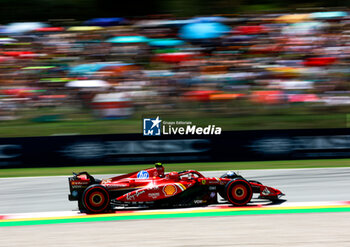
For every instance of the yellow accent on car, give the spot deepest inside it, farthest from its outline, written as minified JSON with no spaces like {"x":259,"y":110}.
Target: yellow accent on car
{"x":181,"y":186}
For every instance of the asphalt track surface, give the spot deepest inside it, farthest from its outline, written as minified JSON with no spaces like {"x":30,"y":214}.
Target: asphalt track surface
{"x":43,"y":194}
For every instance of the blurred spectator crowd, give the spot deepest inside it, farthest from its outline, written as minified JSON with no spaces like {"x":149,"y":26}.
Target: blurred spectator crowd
{"x":116,"y":66}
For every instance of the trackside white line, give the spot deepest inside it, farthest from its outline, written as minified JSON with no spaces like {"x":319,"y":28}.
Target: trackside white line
{"x":310,"y":204}
{"x":239,"y":170}
{"x":14,"y":178}
{"x":42,"y":214}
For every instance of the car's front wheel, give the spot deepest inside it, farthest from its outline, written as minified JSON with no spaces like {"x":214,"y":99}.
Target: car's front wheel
{"x":96,"y":199}
{"x":238,"y":192}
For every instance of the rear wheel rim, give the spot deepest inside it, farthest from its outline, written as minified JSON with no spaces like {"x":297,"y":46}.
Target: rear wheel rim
{"x":239,"y":192}
{"x":96,"y":199}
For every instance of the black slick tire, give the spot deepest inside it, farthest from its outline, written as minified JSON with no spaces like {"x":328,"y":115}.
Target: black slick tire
{"x":96,"y":199}
{"x":238,"y":192}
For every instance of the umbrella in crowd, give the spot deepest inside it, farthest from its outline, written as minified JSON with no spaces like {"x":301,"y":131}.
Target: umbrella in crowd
{"x":19,"y":54}
{"x":118,"y":70}
{"x":93,"y":67}
{"x":225,"y":96}
{"x":22,"y":27}
{"x":84,"y":28}
{"x":7,"y":40}
{"x":161,"y":23}
{"x":203,"y":30}
{"x":38,"y":67}
{"x":166,"y":42}
{"x":293,"y":18}
{"x":319,"y":61}
{"x":128,"y":39}
{"x":209,"y":19}
{"x":49,"y":29}
{"x":175,"y":57}
{"x":303,"y":28}
{"x":54,"y":80}
{"x":105,"y":22}
{"x":329,"y":14}
{"x":88,"y":84}
{"x":158,"y":73}
{"x":250,"y":30}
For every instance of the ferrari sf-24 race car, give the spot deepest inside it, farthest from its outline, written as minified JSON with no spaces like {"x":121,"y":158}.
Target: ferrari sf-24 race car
{"x":153,"y":188}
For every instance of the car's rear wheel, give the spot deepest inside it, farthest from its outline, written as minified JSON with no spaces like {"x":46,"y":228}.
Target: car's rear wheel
{"x":238,"y":192}
{"x":96,"y":199}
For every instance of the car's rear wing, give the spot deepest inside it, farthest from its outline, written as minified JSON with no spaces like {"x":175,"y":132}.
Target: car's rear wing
{"x":78,"y":183}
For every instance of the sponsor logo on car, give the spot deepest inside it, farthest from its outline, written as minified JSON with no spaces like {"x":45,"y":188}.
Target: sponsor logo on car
{"x":169,"y":190}
{"x":79,"y":182}
{"x":154,"y":195}
{"x":133,"y":195}
{"x":116,"y":186}
{"x":199,"y":201}
{"x":142,"y":175}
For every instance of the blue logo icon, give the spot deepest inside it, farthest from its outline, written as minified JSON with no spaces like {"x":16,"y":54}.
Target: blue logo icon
{"x":151,"y":126}
{"x":142,"y":175}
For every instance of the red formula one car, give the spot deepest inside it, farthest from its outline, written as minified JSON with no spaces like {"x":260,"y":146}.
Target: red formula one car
{"x":153,"y":188}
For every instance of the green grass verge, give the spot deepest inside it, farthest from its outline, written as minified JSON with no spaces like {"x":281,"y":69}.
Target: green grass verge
{"x":205,"y":166}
